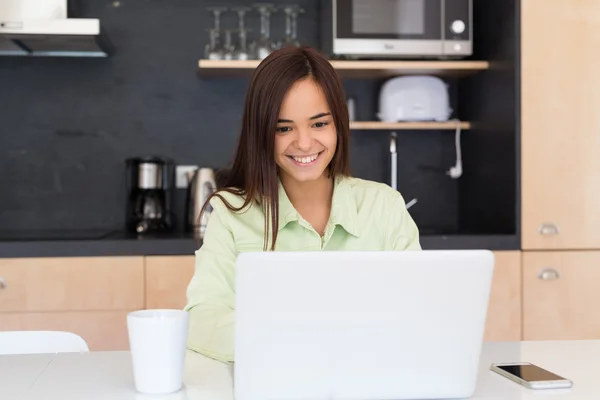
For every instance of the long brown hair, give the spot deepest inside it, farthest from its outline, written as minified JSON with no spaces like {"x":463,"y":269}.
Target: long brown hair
{"x":254,"y":171}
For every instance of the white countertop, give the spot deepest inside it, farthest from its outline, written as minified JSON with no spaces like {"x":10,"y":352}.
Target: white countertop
{"x":107,"y":375}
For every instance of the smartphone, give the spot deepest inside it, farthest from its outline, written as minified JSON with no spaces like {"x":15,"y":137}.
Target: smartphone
{"x":531,"y":376}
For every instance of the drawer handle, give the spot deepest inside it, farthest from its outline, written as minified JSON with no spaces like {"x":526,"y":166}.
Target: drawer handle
{"x":2,"y":283}
{"x":548,"y":274}
{"x":548,"y":229}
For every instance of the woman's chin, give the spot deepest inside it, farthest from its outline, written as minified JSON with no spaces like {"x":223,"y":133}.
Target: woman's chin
{"x":303,"y":174}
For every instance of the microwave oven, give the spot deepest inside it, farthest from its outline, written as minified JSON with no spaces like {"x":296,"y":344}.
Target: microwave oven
{"x":398,"y":29}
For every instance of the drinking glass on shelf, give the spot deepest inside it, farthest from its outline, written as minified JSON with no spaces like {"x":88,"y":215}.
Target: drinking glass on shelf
{"x":213,"y":50}
{"x":264,"y":45}
{"x":215,"y":47}
{"x":291,"y":25}
{"x":241,"y":12}
{"x":242,"y":50}
{"x":217,"y":12}
{"x":228,"y":48}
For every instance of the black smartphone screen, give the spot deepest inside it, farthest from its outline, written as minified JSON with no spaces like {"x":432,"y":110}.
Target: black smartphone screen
{"x":530,"y":372}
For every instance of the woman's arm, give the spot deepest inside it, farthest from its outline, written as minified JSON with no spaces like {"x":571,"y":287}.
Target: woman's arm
{"x":402,"y":232}
{"x":211,"y":291}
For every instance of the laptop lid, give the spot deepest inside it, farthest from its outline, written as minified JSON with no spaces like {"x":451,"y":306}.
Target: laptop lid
{"x":360,"y":325}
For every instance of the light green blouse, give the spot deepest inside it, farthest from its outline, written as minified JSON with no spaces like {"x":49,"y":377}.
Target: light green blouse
{"x":365,"y":215}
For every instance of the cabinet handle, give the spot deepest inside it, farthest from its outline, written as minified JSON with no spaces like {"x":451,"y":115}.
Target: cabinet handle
{"x":548,"y":229}
{"x":2,"y":283}
{"x":548,"y":274}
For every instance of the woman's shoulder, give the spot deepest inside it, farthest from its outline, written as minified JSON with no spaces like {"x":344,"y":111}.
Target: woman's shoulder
{"x":233,"y":209}
{"x":223,"y":196}
{"x":371,"y":192}
{"x":226,"y":203}
{"x":381,"y":213}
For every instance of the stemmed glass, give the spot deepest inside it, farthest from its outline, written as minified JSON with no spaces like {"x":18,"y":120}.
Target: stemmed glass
{"x":228,"y":48}
{"x":264,"y":45}
{"x":214,"y":50}
{"x":242,"y":52}
{"x":291,"y":25}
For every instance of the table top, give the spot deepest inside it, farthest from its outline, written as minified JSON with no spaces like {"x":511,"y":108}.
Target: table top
{"x":108,"y":375}
{"x":18,"y":373}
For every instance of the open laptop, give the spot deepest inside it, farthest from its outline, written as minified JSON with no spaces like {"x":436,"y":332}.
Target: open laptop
{"x":360,"y":325}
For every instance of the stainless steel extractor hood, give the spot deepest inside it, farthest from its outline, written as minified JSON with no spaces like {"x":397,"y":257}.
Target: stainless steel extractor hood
{"x":47,"y":28}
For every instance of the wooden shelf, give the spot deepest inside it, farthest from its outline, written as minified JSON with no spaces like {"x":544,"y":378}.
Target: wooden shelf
{"x":376,"y":125}
{"x":357,"y":69}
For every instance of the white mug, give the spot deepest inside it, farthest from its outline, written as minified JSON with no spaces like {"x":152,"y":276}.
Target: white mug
{"x":157,"y":340}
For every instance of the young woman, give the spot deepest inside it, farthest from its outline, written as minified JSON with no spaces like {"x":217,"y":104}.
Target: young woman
{"x":289,"y":189}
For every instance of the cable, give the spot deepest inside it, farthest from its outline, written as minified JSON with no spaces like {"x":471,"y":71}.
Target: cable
{"x":394,"y":161}
{"x":456,"y":171}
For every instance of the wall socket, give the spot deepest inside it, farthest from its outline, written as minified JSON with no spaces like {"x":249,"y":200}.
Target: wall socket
{"x":181,"y":179}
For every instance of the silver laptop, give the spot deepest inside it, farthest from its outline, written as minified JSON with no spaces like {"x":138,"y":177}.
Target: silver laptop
{"x":360,"y":325}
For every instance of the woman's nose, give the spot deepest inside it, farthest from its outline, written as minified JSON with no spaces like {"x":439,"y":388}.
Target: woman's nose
{"x":304,"y":140}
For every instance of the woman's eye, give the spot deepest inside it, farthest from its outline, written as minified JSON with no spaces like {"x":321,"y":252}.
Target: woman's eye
{"x":321,"y":124}
{"x":283,"y":129}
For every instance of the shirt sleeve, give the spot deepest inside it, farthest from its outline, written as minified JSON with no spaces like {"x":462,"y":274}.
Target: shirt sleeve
{"x":210,"y":293}
{"x":402,"y":231}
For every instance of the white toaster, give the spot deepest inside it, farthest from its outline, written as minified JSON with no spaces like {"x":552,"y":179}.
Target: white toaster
{"x":414,"y":98}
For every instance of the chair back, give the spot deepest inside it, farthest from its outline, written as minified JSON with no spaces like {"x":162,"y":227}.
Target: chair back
{"x":41,"y":342}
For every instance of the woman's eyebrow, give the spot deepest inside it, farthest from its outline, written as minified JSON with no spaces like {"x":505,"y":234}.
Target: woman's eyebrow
{"x":323,"y":114}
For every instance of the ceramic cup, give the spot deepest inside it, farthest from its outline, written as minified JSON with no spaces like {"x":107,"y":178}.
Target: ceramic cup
{"x":157,"y":340}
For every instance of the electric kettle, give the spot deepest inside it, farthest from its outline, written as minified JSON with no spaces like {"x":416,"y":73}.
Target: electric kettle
{"x":201,"y":186}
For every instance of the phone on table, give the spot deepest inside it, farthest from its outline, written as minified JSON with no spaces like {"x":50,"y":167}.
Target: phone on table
{"x":531,"y":376}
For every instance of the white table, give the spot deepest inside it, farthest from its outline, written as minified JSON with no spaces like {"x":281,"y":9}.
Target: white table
{"x":19,"y":373}
{"x":107,"y":375}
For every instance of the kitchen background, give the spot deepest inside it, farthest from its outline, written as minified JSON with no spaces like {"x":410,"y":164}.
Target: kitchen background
{"x":69,"y":124}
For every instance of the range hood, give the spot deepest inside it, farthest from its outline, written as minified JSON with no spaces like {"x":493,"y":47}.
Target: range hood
{"x":48,"y":28}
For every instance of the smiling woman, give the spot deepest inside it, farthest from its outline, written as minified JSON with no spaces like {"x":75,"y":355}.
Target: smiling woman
{"x":294,"y":94}
{"x":289,"y":189}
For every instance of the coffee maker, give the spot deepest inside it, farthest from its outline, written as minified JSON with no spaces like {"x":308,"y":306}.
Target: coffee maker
{"x":149,"y":195}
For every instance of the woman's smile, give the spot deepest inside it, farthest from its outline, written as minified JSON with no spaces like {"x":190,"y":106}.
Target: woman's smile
{"x":307,"y":160}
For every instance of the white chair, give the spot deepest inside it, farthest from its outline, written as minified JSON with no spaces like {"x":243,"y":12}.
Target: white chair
{"x":41,"y":342}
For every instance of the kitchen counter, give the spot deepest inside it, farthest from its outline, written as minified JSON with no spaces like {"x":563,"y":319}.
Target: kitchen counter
{"x":94,"y":243}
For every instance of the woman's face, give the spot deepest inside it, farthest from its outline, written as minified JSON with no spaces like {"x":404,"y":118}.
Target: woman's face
{"x":306,"y":138}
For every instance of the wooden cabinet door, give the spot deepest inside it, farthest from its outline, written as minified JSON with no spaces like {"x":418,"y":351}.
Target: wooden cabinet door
{"x":89,"y":296}
{"x":560,"y":295}
{"x":167,"y":279}
{"x":504,"y":311}
{"x":71,"y":284}
{"x":560,"y":124}
{"x":101,"y":330}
